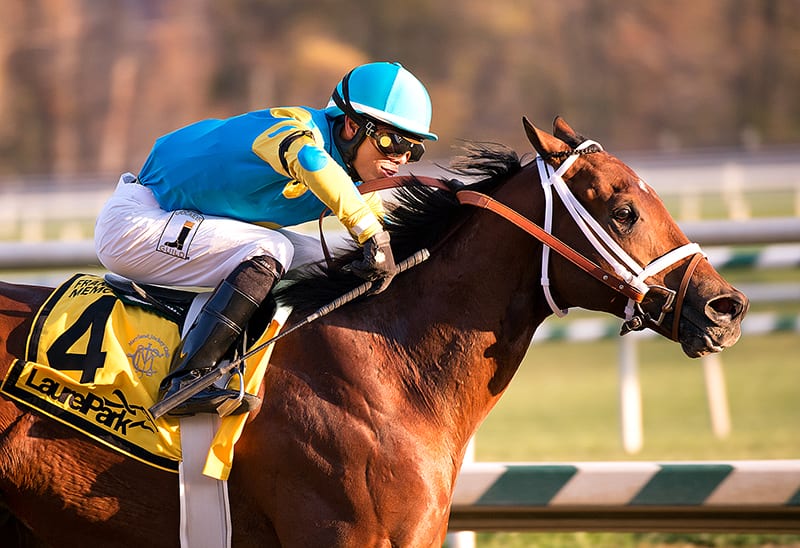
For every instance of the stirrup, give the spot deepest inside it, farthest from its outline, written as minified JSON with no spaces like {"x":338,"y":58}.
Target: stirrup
{"x":231,"y":405}
{"x":214,"y":399}
{"x":206,"y":402}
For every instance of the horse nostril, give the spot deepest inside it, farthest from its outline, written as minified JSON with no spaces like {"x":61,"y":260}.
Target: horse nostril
{"x":731,"y":306}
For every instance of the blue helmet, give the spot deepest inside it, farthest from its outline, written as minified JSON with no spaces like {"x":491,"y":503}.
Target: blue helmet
{"x":386,"y":92}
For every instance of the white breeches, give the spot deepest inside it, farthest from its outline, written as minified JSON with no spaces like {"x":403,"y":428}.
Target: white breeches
{"x":137,"y":239}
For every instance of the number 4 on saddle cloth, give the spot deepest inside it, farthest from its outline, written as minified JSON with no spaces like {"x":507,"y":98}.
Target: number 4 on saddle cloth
{"x":96,"y":354}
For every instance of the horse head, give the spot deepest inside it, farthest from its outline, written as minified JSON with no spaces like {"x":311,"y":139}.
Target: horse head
{"x":631,"y":236}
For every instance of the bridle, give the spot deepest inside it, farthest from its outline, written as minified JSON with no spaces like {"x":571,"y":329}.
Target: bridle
{"x":623,"y":265}
{"x":626,"y":276}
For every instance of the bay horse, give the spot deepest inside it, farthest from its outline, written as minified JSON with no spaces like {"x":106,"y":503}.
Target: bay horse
{"x":367,"y":412}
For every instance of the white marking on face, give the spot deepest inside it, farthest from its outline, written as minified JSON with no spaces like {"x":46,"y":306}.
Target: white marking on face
{"x":644,"y":186}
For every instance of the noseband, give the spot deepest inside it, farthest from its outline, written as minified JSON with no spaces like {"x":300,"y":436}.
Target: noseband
{"x":672,"y":300}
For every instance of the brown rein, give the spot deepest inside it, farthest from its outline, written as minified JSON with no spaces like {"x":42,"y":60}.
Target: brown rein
{"x":616,"y":283}
{"x":478,"y":199}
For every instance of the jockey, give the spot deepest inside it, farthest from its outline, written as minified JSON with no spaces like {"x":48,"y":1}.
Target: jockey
{"x":209,"y":205}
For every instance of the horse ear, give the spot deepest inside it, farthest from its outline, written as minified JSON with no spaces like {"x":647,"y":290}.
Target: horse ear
{"x":544,"y":143}
{"x":563,"y":131}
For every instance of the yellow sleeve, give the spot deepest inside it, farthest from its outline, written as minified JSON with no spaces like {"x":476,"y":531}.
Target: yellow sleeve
{"x":375,"y":203}
{"x":290,"y":147}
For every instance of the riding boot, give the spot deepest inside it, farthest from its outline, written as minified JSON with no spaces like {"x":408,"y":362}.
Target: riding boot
{"x":218,"y":325}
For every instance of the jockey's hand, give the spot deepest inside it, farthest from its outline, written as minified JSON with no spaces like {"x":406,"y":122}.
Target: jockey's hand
{"x":378,"y":262}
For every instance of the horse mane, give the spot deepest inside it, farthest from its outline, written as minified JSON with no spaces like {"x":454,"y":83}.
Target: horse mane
{"x":422,"y":217}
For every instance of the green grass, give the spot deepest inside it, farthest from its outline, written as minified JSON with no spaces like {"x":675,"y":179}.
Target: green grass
{"x":773,"y":275}
{"x":563,"y":406}
{"x":563,"y":403}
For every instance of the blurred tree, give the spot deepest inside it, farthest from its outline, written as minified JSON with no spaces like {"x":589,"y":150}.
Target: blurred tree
{"x":88,"y":85}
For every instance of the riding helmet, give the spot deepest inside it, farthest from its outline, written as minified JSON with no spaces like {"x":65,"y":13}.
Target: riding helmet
{"x":385,"y":92}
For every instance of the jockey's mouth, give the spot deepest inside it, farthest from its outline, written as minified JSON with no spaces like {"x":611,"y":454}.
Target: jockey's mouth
{"x":389,"y":168}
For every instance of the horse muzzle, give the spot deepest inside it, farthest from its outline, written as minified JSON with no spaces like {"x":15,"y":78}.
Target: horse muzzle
{"x":717,"y":328}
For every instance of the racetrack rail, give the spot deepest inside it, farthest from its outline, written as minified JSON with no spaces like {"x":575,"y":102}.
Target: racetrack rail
{"x":705,"y":496}
{"x":657,"y":518}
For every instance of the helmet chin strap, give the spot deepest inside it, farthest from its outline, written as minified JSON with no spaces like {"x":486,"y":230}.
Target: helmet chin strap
{"x":348,"y":147}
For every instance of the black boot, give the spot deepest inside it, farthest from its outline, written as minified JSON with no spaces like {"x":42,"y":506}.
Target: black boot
{"x":219,"y":323}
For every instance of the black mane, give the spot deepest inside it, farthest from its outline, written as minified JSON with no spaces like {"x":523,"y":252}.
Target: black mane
{"x":422,"y":217}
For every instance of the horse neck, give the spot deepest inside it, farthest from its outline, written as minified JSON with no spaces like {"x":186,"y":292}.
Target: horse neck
{"x":468,"y":316}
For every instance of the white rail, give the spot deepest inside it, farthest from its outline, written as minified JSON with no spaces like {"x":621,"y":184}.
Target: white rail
{"x":707,"y":496}
{"x":16,"y":255}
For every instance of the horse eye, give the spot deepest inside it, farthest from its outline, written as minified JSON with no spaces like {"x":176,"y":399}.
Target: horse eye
{"x":624,"y":215}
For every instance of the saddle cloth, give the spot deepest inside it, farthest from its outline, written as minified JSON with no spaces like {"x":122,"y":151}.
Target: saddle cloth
{"x":94,"y":362}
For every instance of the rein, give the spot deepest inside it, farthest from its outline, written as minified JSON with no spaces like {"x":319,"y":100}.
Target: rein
{"x":484,"y":201}
{"x":627,"y":277}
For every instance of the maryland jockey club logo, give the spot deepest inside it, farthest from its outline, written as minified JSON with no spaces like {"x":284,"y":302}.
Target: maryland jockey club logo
{"x":147,"y":350}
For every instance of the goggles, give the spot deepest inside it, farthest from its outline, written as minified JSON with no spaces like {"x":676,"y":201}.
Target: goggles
{"x":392,"y":144}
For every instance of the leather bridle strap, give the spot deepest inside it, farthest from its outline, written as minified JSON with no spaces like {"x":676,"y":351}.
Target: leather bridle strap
{"x":478,"y":199}
{"x":374,"y":186}
{"x":397,"y":182}
{"x":632,"y":290}
{"x":687,"y":276}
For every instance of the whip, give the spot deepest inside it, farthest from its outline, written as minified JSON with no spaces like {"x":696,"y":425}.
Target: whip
{"x":202,"y":382}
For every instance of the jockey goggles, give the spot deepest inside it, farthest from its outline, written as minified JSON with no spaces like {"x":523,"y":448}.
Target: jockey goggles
{"x":394,"y":145}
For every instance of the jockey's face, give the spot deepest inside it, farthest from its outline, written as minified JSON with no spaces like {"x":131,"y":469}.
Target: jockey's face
{"x":369,"y":162}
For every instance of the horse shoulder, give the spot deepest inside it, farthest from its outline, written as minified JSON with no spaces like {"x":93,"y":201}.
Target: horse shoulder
{"x":330,"y":409}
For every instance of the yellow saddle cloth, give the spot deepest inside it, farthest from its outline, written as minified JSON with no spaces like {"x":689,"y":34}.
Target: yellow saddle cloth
{"x":94,"y":363}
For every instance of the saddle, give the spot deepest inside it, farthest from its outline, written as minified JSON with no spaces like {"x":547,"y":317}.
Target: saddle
{"x":170,"y":302}
{"x":175,"y":303}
